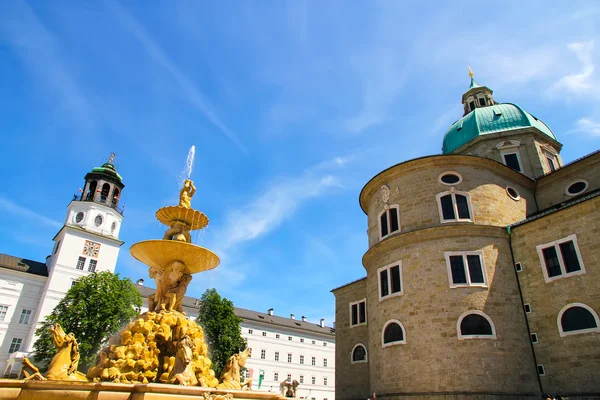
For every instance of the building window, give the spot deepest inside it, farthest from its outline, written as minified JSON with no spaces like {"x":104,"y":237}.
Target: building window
{"x":3,"y":311}
{"x":325,"y":381}
{"x":390,"y":280}
{"x":576,"y":318}
{"x":15,"y":345}
{"x":250,"y":331}
{"x":389,"y":221}
{"x":454,"y":207}
{"x":314,"y":342}
{"x":512,"y":193}
{"x":359,"y":354}
{"x":392,"y":333}
{"x":475,"y":324}
{"x":358,"y":313}
{"x":301,"y":378}
{"x":482,"y":101}
{"x":534,"y":338}
{"x":80,"y":263}
{"x":518,"y":267}
{"x":576,"y":187}
{"x":560,"y":258}
{"x":92,"y":265}
{"x":325,"y":362}
{"x":551,"y":163}
{"x":289,"y":338}
{"x":314,"y":361}
{"x":301,"y":340}
{"x":527,"y":308}
{"x":276,"y":356}
{"x":465,"y":268}
{"x":263,"y":354}
{"x":264,"y":333}
{"x":276,"y":377}
{"x":301,"y":359}
{"x":324,"y":344}
{"x":449,"y":178}
{"x":277,"y":336}
{"x":541,"y":370}
{"x":25,"y":315}
{"x":471,"y":105}
{"x":511,"y":160}
{"x":289,"y":357}
{"x":314,"y":380}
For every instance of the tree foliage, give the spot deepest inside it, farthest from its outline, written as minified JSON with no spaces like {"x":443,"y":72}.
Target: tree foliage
{"x":221,"y":328}
{"x":93,"y":309}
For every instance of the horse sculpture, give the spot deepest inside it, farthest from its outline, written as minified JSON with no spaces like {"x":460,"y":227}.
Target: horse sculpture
{"x":183,"y":370}
{"x":230,"y":378}
{"x":63,"y":365}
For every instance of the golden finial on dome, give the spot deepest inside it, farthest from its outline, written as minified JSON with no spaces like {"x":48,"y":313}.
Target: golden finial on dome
{"x":111,"y":158}
{"x":470,"y":72}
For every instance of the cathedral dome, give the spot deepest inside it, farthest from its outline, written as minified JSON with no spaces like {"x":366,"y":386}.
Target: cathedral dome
{"x":488,"y":120}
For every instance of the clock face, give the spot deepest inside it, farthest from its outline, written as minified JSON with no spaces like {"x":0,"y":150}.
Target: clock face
{"x":91,"y":249}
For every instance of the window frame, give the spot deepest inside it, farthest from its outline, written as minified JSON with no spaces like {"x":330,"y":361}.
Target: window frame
{"x":515,"y":152}
{"x":556,"y":245}
{"x":453,"y":194}
{"x":386,"y":210}
{"x":562,"y":333}
{"x":3,"y":317}
{"x":366,"y":360}
{"x":12,"y":343}
{"x":25,"y":318}
{"x":398,"y":342}
{"x":357,"y":303}
{"x":289,"y":358}
{"x":587,"y":185}
{"x":82,"y":265}
{"x":389,"y":277}
{"x":263,"y":354}
{"x":464,"y":254}
{"x":460,"y":178}
{"x":276,"y":356}
{"x":493,"y":336}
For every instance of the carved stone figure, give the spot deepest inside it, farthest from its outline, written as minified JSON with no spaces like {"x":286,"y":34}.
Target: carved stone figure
{"x":63,"y":365}
{"x":230,"y":378}
{"x":171,"y":285}
{"x":183,"y":370}
{"x":178,"y":231}
{"x":288,"y":389}
{"x":186,"y":194}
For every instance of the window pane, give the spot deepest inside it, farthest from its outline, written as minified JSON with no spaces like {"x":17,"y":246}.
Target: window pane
{"x":481,"y":101}
{"x":354,"y":314}
{"x":551,"y":259}
{"x":396,"y":287}
{"x":512,"y":161}
{"x":475,"y":269}
{"x":462,"y":206}
{"x":393,"y":219}
{"x":384,"y":224}
{"x":359,"y":354}
{"x":393,"y":333}
{"x":551,"y":164}
{"x":474,"y":324}
{"x":362,"y":312}
{"x":383,"y":278}
{"x":569,"y":256}
{"x":447,"y":207}
{"x":458,"y":269}
{"x":576,"y":318}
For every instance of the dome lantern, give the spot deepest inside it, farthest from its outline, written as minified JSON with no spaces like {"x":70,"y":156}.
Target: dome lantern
{"x":476,"y":96}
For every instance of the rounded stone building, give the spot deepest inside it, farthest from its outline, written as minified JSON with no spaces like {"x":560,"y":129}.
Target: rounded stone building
{"x":441,"y":310}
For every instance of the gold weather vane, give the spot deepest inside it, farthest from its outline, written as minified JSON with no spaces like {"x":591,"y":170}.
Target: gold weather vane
{"x":111,"y":158}
{"x":470,"y":72}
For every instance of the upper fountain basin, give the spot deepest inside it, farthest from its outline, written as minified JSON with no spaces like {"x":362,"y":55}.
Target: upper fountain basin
{"x":160,"y":253}
{"x":193,"y":219}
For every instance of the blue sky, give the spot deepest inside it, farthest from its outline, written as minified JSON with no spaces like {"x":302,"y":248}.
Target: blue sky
{"x":292,"y":106}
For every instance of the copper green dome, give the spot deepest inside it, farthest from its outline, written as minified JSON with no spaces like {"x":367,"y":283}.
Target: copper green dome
{"x":108,"y":169}
{"x":488,"y":120}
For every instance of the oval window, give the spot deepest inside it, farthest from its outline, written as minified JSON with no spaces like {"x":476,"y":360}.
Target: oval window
{"x":98,"y":220}
{"x":577,"y":187}
{"x":113,"y":227}
{"x":79,"y":217}
{"x":450,"y":178}
{"x":512,"y":193}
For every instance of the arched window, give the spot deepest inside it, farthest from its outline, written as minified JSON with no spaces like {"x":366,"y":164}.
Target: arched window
{"x":475,"y":324}
{"x":92,"y":190}
{"x":359,"y":354}
{"x":454,"y":206}
{"x":393,"y":333}
{"x":577,"y":318}
{"x":104,"y":193}
{"x":115,"y":196}
{"x":389,"y":221}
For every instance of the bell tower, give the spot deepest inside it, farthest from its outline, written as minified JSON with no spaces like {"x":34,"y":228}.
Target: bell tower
{"x":89,"y":239}
{"x":476,"y":96}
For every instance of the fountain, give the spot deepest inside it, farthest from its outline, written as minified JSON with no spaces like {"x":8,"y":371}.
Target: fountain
{"x":162,"y":353}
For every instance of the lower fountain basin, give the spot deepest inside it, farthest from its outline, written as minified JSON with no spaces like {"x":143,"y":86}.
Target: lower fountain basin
{"x":160,"y":253}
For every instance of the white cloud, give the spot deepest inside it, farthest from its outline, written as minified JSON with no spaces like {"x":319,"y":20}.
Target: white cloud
{"x":588,"y":126}
{"x":581,"y":82}
{"x":9,"y":206}
{"x":154,"y":50}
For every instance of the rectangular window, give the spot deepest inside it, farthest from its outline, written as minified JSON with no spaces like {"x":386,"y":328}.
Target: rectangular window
{"x":264,"y":333}
{"x":560,"y":258}
{"x":25,"y":315}
{"x":73,"y":281}
{"x":276,"y":356}
{"x":314,"y":361}
{"x":551,"y":164}
{"x":389,"y":221}
{"x":277,"y":336}
{"x":511,"y":160}
{"x":465,"y":268}
{"x":314,"y":380}
{"x":527,"y":308}
{"x":3,"y":311}
{"x":276,"y":377}
{"x":390,"y":280}
{"x":250,"y":331}
{"x":289,"y":357}
{"x":301,"y":359}
{"x":301,"y":378}
{"x":15,"y":345}
{"x":325,"y":362}
{"x":481,"y":101}
{"x":92,"y":265}
{"x":325,"y":381}
{"x":519,"y":267}
{"x":301,"y":340}
{"x":313,"y":342}
{"x":358,"y":312}
{"x":325,"y":344}
{"x":289,"y":338}
{"x":80,"y":263}
{"x":534,"y":338}
{"x":541,"y":370}
{"x":263,"y":354}
{"x":454,"y":207}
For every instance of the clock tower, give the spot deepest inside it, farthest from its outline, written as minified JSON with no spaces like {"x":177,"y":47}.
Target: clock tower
{"x":88,"y":241}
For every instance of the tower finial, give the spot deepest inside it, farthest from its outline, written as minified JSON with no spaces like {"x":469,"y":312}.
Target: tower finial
{"x":471,"y":73}
{"x":111,"y":158}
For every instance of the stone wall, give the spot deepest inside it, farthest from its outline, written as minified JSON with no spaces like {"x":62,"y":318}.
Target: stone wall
{"x":351,"y":380}
{"x":433,"y":358}
{"x":572,"y":363}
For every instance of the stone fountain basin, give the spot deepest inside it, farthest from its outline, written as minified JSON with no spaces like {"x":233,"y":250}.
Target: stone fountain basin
{"x":13,"y":389}
{"x":191,"y":218}
{"x":160,"y":253}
